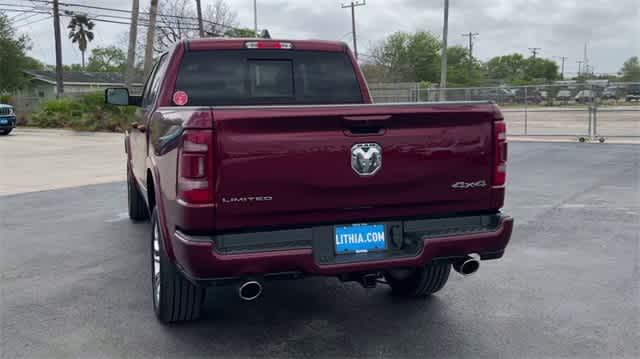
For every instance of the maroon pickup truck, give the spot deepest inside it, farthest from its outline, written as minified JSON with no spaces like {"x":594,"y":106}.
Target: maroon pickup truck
{"x":266,"y":159}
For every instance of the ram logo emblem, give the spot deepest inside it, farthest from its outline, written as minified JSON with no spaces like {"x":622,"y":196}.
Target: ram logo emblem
{"x":366,"y":158}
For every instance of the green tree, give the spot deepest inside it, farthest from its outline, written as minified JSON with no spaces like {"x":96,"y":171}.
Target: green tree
{"x":13,"y":59}
{"x":80,"y":32}
{"x":461,"y":69}
{"x":408,"y":57}
{"x":240,"y":33}
{"x":33,"y":64}
{"x":107,"y":59}
{"x":539,"y":68}
{"x":405,"y":57}
{"x":508,"y":68}
{"x":516,"y":69}
{"x":631,"y":69}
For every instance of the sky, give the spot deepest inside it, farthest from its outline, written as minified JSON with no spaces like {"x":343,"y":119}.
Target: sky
{"x":560,"y":28}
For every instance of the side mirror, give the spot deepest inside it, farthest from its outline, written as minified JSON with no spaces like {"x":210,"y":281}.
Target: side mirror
{"x":117,"y":96}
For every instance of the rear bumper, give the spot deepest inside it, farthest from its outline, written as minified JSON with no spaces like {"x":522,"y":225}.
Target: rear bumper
{"x":309,"y":251}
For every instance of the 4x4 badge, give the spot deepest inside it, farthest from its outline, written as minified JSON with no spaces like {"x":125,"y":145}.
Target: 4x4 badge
{"x":469,"y":185}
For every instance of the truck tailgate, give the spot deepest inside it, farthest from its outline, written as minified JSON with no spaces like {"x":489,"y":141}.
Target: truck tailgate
{"x":292,"y":165}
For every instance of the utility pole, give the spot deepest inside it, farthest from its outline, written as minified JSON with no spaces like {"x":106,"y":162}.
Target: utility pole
{"x":443,"y":56}
{"x":579,"y":67}
{"x":56,"y":31}
{"x":200,"y":26}
{"x":151,"y":35}
{"x":563,"y":58}
{"x":471,"y":36}
{"x":255,"y":16}
{"x":353,"y":22}
{"x":133,"y":38}
{"x":534,"y":51}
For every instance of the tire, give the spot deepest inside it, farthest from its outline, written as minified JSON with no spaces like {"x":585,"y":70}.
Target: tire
{"x":137,"y":207}
{"x":419,"y":282}
{"x":5,"y":132}
{"x":175,"y":299}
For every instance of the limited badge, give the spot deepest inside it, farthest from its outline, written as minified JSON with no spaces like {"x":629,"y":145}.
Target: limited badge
{"x":180,"y":98}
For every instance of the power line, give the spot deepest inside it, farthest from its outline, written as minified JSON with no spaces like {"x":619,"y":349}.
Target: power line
{"x":26,"y":11}
{"x":34,"y":21}
{"x":353,"y":6}
{"x":15,"y":17}
{"x":68,"y":13}
{"x":66,"y":4}
{"x":27,"y":17}
{"x":14,"y":5}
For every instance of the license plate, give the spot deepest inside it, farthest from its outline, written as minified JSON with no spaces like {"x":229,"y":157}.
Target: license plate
{"x":360,"y":238}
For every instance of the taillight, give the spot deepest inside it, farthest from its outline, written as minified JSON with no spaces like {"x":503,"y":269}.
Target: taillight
{"x":500,"y":153}
{"x":195,"y":167}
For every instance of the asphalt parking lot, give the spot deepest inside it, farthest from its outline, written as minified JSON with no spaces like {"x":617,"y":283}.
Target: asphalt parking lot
{"x":75,"y":276}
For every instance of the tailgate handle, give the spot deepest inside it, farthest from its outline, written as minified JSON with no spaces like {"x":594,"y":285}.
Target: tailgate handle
{"x":371,"y":120}
{"x":363,"y":125}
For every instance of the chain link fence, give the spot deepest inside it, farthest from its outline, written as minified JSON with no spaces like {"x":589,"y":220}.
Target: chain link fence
{"x":598,"y":109}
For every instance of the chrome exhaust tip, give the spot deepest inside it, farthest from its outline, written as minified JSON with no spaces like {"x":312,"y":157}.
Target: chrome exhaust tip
{"x":467,"y":267}
{"x":250,"y":290}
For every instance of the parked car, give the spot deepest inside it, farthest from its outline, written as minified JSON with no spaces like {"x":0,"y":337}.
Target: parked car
{"x":7,"y":119}
{"x":544,"y":94}
{"x":505,"y":95}
{"x":266,"y":159}
{"x":563,"y":96}
{"x":633,"y":93}
{"x":530,"y":96}
{"x":585,"y":96}
{"x":611,"y":93}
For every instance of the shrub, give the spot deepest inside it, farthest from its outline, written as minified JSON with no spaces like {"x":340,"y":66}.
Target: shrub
{"x":87,"y":113}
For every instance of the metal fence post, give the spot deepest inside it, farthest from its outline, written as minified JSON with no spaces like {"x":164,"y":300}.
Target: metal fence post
{"x":589,"y":122}
{"x":595,"y":120}
{"x":526,"y":108}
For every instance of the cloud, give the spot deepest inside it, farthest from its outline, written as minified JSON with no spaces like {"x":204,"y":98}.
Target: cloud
{"x":559,"y":27}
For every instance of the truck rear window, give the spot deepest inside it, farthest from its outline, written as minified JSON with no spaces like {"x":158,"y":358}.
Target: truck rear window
{"x":263,"y":77}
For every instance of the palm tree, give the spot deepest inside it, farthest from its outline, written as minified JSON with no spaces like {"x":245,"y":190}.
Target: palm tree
{"x":80,"y":28}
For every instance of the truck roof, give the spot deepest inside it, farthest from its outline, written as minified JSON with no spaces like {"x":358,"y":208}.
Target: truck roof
{"x":239,"y":43}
